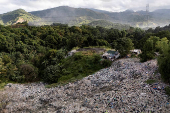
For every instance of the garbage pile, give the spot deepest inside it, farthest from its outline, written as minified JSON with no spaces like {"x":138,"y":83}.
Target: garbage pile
{"x":119,"y":88}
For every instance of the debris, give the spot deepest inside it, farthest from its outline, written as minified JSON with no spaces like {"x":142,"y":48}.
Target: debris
{"x":119,"y":88}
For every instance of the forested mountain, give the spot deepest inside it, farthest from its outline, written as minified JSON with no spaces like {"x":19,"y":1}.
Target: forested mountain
{"x":69,"y":15}
{"x":108,"y":24}
{"x":80,"y":16}
{"x":16,"y":16}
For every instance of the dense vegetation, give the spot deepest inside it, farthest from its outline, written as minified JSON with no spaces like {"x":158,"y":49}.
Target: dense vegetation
{"x":16,"y":16}
{"x":109,"y":25}
{"x":29,"y":53}
{"x":80,"y":16}
{"x":159,"y":42}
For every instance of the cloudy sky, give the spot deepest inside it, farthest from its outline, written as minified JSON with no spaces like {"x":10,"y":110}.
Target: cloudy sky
{"x":109,"y":5}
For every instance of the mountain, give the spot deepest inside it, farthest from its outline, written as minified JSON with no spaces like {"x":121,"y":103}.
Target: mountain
{"x":79,"y":16}
{"x":107,"y":24}
{"x":100,"y":11}
{"x":16,"y":16}
{"x":161,"y":15}
{"x":69,"y":15}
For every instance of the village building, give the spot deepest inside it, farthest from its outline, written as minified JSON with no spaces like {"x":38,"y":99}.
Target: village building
{"x":136,"y":51}
{"x":111,"y":54}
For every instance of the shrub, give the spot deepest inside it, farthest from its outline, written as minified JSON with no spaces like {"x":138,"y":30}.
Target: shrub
{"x":164,"y":67}
{"x":167,"y":90}
{"x":29,"y":72}
{"x":150,"y":81}
{"x":12,"y":72}
{"x":96,"y":58}
{"x":146,"y":56}
{"x":6,"y":59}
{"x":52,"y":73}
{"x":106,"y":63}
{"x":77,"y":56}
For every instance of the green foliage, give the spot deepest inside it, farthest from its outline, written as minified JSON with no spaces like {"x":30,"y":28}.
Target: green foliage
{"x":17,"y":15}
{"x":32,"y":50}
{"x":79,"y":65}
{"x":150,"y":81}
{"x":107,"y":24}
{"x":149,"y":48}
{"x":164,"y":67}
{"x":28,"y":72}
{"x":106,"y":63}
{"x":52,"y":73}
{"x":6,"y":59}
{"x":167,"y":89}
{"x":2,"y":84}
{"x":163,"y":60}
{"x":123,"y":45}
{"x":162,"y":45}
{"x":146,"y":56}
{"x":82,"y":64}
{"x":153,"y":44}
{"x":24,"y":73}
{"x":31,"y":53}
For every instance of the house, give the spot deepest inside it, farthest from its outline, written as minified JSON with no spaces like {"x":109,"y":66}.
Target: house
{"x":111,"y":54}
{"x":136,"y":51}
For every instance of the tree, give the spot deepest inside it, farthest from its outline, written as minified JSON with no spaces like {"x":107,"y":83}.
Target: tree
{"x":123,"y":45}
{"x":147,"y":51}
{"x":162,"y":45}
{"x":149,"y":48}
{"x":52,"y":73}
{"x":164,"y":63}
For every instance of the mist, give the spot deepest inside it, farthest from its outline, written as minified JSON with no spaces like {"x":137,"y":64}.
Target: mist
{"x":79,"y":16}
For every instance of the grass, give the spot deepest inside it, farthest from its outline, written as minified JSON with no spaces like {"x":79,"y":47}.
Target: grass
{"x":80,"y":65}
{"x":4,"y":82}
{"x":2,"y":85}
{"x":150,"y":81}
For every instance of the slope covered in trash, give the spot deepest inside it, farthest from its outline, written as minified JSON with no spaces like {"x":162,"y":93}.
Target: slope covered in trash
{"x":119,"y":88}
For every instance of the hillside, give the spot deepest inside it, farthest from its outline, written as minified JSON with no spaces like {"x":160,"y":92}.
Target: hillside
{"x":78,"y":21}
{"x":107,"y":24}
{"x":116,"y":89}
{"x":69,"y":15}
{"x":16,"y":16}
{"x":39,"y":54}
{"x":80,"y":16}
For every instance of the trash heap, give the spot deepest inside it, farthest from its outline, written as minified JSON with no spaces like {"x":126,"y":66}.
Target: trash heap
{"x":119,"y":88}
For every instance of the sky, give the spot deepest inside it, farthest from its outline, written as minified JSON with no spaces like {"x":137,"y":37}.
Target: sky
{"x":108,"y":5}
